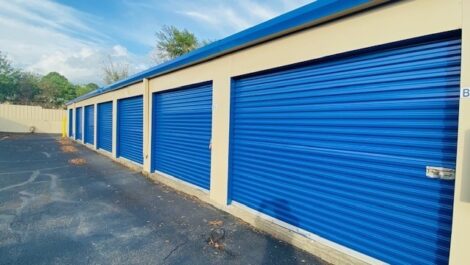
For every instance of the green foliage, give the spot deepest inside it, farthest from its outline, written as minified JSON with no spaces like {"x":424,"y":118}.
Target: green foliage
{"x":81,"y":90}
{"x":52,"y":90}
{"x":56,"y":89}
{"x":8,"y":78}
{"x":27,"y":89}
{"x":173,"y":42}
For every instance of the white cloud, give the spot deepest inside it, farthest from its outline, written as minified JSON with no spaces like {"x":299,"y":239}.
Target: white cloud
{"x":237,"y":16}
{"x":292,"y":4}
{"x":218,"y":16}
{"x":237,"y":21}
{"x":199,"y":16}
{"x":44,"y":36}
{"x":84,"y":65}
{"x":76,"y":65}
{"x":48,"y":14}
{"x":259,"y":12}
{"x":120,"y":51}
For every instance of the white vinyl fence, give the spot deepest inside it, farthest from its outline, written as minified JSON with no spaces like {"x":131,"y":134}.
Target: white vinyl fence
{"x":19,"y":118}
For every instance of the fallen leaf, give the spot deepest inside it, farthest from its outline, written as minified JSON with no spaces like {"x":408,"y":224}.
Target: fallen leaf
{"x":68,"y":149}
{"x":77,"y":161}
{"x":216,"y":223}
{"x":65,"y":141}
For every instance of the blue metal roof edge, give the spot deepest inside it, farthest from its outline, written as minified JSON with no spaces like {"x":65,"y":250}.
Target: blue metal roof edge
{"x":318,"y":10}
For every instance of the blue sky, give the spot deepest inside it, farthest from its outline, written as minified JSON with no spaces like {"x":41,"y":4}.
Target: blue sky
{"x":74,"y":37}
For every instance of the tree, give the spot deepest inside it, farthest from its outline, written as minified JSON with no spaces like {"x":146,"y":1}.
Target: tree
{"x":173,"y":42}
{"x":56,"y":89}
{"x":114,"y":71}
{"x":27,"y":88}
{"x":81,"y":90}
{"x":8,"y":78}
{"x":51,"y":90}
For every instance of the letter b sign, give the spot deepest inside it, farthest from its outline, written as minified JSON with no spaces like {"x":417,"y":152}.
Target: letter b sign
{"x":465,"y":93}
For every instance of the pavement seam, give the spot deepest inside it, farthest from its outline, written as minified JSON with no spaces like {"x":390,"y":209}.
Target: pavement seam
{"x":175,"y":249}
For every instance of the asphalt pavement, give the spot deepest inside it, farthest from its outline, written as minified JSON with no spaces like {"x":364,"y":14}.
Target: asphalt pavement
{"x":61,"y":203}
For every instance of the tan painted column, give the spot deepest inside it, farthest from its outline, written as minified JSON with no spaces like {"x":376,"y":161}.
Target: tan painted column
{"x":147,"y":121}
{"x":114,"y":133}
{"x":68,"y":122}
{"x":74,"y":114}
{"x":95,"y":120}
{"x":70,"y":107}
{"x":83,"y":123}
{"x":460,"y":244}
{"x":220,"y":139}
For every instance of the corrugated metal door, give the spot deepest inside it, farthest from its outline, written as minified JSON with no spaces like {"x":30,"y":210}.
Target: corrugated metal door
{"x":182,"y":122}
{"x":105,"y":126}
{"x":70,"y":122}
{"x":90,"y":124}
{"x":130,"y":129}
{"x":339,"y":148}
{"x":78,"y":123}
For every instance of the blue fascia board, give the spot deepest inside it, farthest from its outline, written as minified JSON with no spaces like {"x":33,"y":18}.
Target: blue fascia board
{"x":319,"y":10}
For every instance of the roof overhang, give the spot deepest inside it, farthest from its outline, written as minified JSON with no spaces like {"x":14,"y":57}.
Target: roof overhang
{"x":310,"y":15}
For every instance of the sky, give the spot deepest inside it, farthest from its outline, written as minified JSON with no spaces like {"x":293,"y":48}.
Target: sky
{"x":74,"y":37}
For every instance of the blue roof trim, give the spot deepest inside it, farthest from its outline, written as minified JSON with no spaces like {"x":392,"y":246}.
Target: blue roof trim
{"x":308,"y":14}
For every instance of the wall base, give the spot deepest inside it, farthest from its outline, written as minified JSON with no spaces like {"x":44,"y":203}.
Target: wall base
{"x":257,"y":220}
{"x":317,"y":248}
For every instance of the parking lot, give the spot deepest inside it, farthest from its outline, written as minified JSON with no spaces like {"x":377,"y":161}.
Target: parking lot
{"x":61,"y":203}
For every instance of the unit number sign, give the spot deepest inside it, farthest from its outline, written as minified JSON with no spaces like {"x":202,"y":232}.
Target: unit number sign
{"x":465,"y":92}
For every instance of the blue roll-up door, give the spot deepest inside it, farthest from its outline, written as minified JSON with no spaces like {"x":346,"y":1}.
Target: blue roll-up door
{"x":181,"y":127}
{"x":339,"y":147}
{"x":130,"y":129}
{"x":105,"y":126}
{"x":70,"y":122}
{"x":90,"y":124}
{"x":78,"y":123}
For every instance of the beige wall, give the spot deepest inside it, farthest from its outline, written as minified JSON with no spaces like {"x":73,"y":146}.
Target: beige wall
{"x":388,"y":23}
{"x":460,"y":246}
{"x":130,"y":91}
{"x":379,"y":26}
{"x":19,"y":118}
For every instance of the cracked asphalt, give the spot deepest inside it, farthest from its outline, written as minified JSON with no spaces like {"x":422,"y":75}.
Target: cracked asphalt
{"x":55,"y":212}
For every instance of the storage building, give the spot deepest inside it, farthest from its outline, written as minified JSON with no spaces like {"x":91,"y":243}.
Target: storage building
{"x":340,"y":127}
